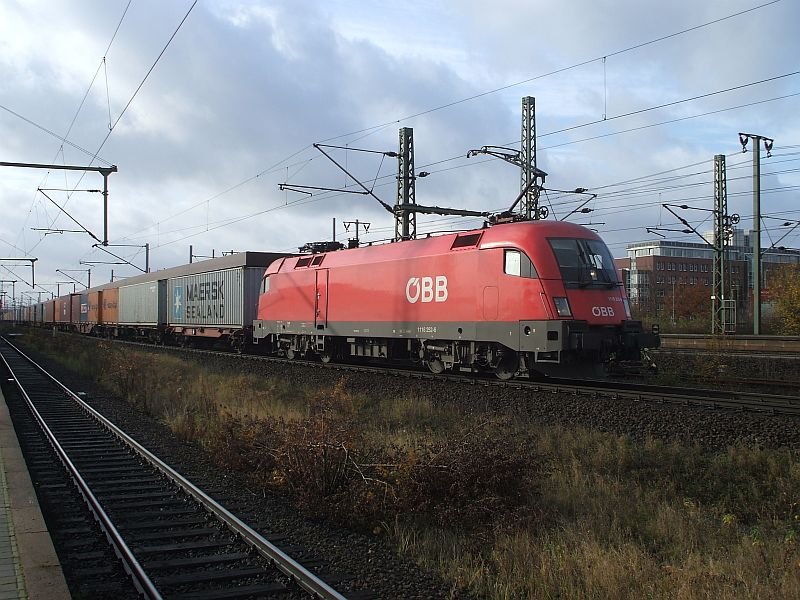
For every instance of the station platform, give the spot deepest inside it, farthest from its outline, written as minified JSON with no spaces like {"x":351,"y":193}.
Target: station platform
{"x":29,"y":567}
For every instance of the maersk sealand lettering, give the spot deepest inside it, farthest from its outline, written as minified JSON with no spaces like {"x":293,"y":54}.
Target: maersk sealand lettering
{"x":209,"y":290}
{"x":198,"y":296}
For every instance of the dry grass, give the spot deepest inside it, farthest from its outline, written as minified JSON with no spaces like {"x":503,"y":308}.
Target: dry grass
{"x":499,"y":507}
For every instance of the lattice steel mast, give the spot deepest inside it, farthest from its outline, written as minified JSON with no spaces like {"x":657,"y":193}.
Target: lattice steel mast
{"x":722,"y":317}
{"x":405,"y":219}
{"x":529,"y":205}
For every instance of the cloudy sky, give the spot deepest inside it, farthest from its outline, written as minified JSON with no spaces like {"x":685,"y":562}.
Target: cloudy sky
{"x":633,"y":99}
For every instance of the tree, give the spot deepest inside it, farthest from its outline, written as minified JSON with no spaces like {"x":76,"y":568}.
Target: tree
{"x":691,"y":305}
{"x":784,"y":288}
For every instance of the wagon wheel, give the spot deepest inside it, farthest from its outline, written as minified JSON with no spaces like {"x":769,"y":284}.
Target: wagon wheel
{"x":435,"y":365}
{"x":508,"y":366}
{"x":325,"y":357}
{"x":290,"y":354}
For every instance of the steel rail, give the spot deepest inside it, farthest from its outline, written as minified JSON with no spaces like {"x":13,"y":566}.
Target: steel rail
{"x":715,"y":398}
{"x":140,"y":579}
{"x":763,"y":403}
{"x":304,"y":578}
{"x":756,"y":344}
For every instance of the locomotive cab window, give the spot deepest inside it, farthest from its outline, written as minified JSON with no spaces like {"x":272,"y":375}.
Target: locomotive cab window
{"x":517,"y":263}
{"x":265,"y":284}
{"x":585,"y":263}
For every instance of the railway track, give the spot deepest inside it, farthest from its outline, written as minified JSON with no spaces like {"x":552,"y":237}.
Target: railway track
{"x":171,"y":539}
{"x":781,"y":345}
{"x":701,"y":397}
{"x":608,"y":389}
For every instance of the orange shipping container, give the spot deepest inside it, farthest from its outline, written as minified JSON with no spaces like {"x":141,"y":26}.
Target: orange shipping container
{"x":103,"y":307}
{"x":109,"y":311}
{"x":94,"y":308}
{"x":75,"y":308}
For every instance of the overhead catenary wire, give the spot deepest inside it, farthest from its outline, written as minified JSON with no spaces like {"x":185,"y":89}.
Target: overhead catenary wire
{"x":557,"y":71}
{"x":330,"y":195}
{"x":131,"y":99}
{"x":77,"y":112}
{"x":260,"y":174}
{"x":279,"y":164}
{"x":306,"y":200}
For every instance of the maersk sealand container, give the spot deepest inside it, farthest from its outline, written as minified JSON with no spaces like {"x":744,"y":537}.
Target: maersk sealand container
{"x":222,"y":299}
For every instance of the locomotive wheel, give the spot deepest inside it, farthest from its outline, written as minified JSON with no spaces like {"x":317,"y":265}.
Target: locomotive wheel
{"x":435,"y":365}
{"x":507,"y":367}
{"x":290,"y":354}
{"x":325,"y":357}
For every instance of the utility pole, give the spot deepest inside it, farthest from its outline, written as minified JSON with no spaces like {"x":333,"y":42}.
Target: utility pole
{"x":104,"y":171}
{"x":405,"y":220}
{"x":358,"y":224}
{"x":529,"y":206}
{"x":30,"y":260}
{"x":66,"y":272}
{"x":13,"y":283}
{"x":192,"y":256}
{"x":768,"y":142}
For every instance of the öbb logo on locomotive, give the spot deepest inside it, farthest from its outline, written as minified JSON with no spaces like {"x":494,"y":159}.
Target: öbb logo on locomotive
{"x":426,"y":289}
{"x":603,"y":311}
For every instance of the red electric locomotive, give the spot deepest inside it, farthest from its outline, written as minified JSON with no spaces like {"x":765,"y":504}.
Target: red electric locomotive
{"x":527,"y":297}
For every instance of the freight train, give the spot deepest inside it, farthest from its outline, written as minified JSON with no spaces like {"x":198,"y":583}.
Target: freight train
{"x":211,"y":302}
{"x":519,"y":298}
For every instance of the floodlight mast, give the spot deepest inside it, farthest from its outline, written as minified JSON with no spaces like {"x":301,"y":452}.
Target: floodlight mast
{"x":104,"y":171}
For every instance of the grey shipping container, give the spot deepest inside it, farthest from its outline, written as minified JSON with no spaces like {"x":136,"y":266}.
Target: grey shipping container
{"x":143,"y":303}
{"x":222,"y":298}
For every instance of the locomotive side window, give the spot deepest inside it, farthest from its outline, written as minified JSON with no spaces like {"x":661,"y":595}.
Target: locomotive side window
{"x":518,"y":264}
{"x":584,"y":262}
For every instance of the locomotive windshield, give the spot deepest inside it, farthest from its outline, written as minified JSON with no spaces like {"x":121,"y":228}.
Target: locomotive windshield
{"x":585,"y":263}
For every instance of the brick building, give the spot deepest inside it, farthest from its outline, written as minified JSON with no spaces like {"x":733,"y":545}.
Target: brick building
{"x":654,"y":269}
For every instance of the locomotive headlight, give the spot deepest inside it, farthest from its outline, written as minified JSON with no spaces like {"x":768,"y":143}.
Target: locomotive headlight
{"x":627,"y":306}
{"x":562,"y":307}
